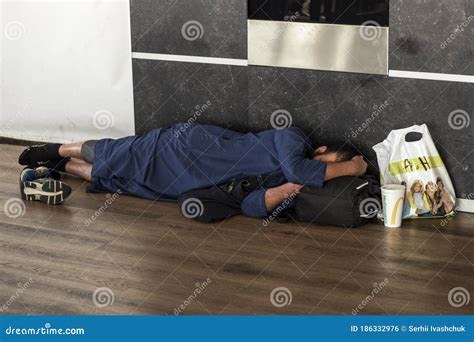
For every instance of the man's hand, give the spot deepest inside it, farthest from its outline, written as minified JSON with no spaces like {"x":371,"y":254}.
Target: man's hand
{"x":275,"y":196}
{"x":293,"y":188}
{"x":359,"y":166}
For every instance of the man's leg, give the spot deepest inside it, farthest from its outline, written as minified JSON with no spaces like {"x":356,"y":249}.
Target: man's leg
{"x":83,"y":150}
{"x":57,"y":155}
{"x":48,"y":151}
{"x":72,"y":150}
{"x":79,"y":168}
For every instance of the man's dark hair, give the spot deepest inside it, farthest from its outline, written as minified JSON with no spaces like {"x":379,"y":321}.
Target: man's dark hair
{"x":344,"y":152}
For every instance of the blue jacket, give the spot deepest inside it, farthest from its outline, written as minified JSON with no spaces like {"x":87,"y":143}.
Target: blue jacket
{"x":167,"y":162}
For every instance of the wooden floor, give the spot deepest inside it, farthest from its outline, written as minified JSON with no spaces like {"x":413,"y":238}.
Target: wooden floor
{"x":151,"y":260}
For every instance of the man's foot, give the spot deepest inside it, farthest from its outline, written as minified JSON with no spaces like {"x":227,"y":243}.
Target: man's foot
{"x":37,"y":154}
{"x":31,"y":173}
{"x":47,"y":190}
{"x":56,"y":164}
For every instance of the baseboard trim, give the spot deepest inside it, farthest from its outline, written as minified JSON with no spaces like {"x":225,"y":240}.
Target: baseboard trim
{"x":190,"y":59}
{"x":20,"y":142}
{"x":431,"y":76}
{"x":465,"y":205}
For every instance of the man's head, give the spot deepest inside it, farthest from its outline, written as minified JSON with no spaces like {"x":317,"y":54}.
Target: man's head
{"x":334,"y":154}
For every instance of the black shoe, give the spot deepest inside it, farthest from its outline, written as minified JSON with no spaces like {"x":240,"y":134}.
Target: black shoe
{"x":38,"y":154}
{"x":47,"y":190}
{"x":33,"y":172}
{"x":56,"y":164}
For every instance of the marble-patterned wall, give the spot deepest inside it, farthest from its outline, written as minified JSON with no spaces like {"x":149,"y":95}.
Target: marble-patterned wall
{"x":330,"y":106}
{"x":158,"y":25}
{"x":432,"y":36}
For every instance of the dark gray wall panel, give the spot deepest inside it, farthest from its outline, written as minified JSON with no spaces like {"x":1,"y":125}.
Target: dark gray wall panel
{"x":157,"y":27}
{"x":419,"y":31}
{"x":331,"y":106}
{"x":168,"y":92}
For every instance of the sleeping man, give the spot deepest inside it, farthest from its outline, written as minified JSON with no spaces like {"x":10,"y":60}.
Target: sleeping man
{"x":168,"y":162}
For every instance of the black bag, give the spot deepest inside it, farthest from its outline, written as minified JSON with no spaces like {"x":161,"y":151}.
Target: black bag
{"x":343,"y":201}
{"x":218,"y":202}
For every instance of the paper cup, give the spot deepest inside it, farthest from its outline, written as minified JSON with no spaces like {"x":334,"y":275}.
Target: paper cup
{"x":392,"y":201}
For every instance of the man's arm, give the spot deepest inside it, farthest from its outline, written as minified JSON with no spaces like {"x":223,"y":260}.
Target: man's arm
{"x":291,"y":146}
{"x":354,"y":167}
{"x":292,"y":151}
{"x":262,"y":201}
{"x":275,"y":196}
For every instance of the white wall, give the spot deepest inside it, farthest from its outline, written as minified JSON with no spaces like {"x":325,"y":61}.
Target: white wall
{"x":67,"y":72}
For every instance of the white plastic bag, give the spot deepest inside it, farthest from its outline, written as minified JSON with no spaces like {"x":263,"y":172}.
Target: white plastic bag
{"x":416,"y":164}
